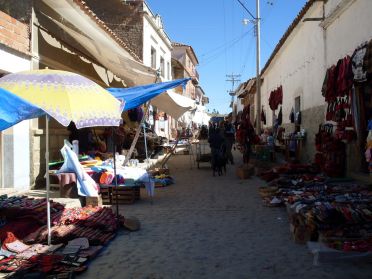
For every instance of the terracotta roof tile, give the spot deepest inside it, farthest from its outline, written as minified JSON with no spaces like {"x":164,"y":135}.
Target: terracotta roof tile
{"x":103,"y":25}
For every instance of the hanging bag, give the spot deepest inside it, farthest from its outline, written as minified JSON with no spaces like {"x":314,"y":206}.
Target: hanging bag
{"x":292,"y":116}
{"x":263,"y":116}
{"x":280,"y":117}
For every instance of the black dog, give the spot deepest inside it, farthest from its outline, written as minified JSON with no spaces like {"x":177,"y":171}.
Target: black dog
{"x":219,"y":161}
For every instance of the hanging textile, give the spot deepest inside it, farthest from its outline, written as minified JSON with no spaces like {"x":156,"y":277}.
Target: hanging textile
{"x":292,"y":116}
{"x":263,"y":116}
{"x":276,"y":98}
{"x":368,"y":60}
{"x":360,"y":74}
{"x":280,"y":117}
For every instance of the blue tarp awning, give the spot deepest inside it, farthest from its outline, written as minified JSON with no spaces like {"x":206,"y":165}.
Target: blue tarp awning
{"x":138,"y":95}
{"x":14,"y":109}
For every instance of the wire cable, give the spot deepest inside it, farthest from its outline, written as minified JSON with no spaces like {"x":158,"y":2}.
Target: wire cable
{"x":217,"y":54}
{"x":245,"y":8}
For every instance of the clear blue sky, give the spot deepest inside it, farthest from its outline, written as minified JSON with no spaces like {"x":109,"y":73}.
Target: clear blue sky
{"x":221,"y":42}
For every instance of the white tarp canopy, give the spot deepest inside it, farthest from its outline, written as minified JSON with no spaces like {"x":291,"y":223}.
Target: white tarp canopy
{"x":173,"y":104}
{"x":186,"y":119}
{"x":89,"y":32}
{"x":200,"y":116}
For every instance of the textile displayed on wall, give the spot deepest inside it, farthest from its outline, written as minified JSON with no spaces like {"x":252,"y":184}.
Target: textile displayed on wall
{"x":292,"y":116}
{"x":360,"y":73}
{"x":263,"y":116}
{"x":276,"y":98}
{"x":280,"y":117}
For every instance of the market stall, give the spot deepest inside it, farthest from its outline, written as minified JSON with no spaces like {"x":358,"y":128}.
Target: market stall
{"x":66,"y":97}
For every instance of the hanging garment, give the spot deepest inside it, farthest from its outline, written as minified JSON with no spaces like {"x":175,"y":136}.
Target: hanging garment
{"x":330,"y":94}
{"x":271,"y":100}
{"x":135,"y":114}
{"x":280,"y":117}
{"x":139,"y":113}
{"x":344,"y":78}
{"x":263,"y":116}
{"x":368,"y":60}
{"x":132,"y":114}
{"x":276,"y":98}
{"x":325,"y":84}
{"x":292,"y":116}
{"x":360,"y":74}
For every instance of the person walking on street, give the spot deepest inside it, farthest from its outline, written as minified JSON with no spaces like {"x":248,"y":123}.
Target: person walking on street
{"x":230,"y":140}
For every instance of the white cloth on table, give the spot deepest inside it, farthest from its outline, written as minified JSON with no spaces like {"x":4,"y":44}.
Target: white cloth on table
{"x":136,"y":174}
{"x":85,"y":184}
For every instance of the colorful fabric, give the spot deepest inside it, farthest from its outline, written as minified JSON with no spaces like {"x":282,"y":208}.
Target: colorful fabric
{"x":276,"y":98}
{"x":360,"y":74}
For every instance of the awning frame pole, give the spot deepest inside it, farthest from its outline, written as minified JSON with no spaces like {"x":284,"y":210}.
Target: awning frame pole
{"x":136,"y":137}
{"x":134,"y":142}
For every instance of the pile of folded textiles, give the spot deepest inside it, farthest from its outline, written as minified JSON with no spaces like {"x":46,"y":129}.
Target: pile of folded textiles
{"x":78,"y":234}
{"x":163,"y":180}
{"x":98,"y":224}
{"x":288,"y":169}
{"x":20,"y":206}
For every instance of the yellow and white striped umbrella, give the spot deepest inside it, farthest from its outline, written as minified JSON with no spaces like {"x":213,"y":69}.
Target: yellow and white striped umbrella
{"x":66,"y":97}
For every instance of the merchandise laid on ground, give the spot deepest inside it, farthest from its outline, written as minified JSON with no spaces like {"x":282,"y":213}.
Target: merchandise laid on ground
{"x":162,"y":177}
{"x":335,"y":212}
{"x":78,"y":235}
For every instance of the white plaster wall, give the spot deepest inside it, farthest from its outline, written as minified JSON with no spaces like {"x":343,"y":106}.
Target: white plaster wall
{"x":301,"y":63}
{"x":298,"y":67}
{"x":349,"y":30}
{"x":151,"y":38}
{"x":15,"y":140}
{"x":12,"y":63}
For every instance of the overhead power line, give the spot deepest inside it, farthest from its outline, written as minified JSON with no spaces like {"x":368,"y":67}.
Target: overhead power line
{"x":217,"y":53}
{"x":245,"y":8}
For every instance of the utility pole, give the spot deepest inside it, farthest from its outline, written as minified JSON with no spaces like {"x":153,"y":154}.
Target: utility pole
{"x":258,"y":80}
{"x":257,"y":29}
{"x":233,"y":79}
